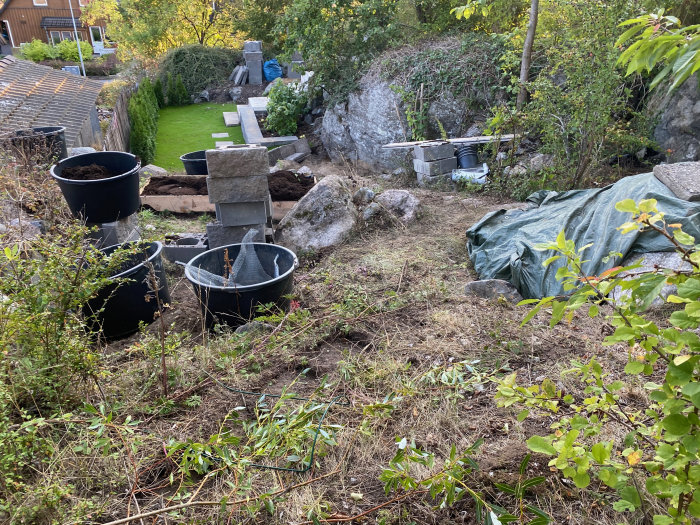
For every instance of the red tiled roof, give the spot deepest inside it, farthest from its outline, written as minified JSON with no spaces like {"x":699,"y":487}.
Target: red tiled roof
{"x":32,"y":95}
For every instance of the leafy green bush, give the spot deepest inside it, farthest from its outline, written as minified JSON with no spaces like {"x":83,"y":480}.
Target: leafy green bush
{"x":36,"y":51}
{"x":338,"y":37}
{"x":177,"y":93}
{"x":158,"y":92}
{"x":143,"y":116}
{"x":198,"y":66}
{"x":639,"y":434}
{"x":68,"y":50}
{"x":285,"y":106}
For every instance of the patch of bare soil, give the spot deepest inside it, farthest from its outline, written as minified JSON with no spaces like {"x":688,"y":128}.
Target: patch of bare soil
{"x":286,"y":185}
{"x":176,"y":185}
{"x":375,"y":319}
{"x":90,"y":172}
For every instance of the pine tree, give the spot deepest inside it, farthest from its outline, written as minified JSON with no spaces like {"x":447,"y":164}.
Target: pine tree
{"x":182,"y":97}
{"x":158,"y":92}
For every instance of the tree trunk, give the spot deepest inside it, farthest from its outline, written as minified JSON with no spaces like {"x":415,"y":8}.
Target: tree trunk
{"x":527,"y":54}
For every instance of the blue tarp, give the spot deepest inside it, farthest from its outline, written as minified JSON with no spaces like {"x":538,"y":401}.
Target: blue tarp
{"x":272,"y":70}
{"x":501,"y":244}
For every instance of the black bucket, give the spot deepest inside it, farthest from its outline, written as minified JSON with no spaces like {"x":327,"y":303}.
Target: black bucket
{"x":195,"y":163}
{"x":43,"y":144}
{"x":235,"y":305}
{"x":118,"y":308}
{"x":103,"y":200}
{"x":467,"y":156}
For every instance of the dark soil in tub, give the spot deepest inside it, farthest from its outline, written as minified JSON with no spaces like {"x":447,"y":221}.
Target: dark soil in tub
{"x":288,"y":186}
{"x":184,"y":185}
{"x":90,"y":172}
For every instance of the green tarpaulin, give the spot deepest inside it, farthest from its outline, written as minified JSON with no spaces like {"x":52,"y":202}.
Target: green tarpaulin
{"x":501,"y":244}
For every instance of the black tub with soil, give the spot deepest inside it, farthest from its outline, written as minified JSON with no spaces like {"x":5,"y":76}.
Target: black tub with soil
{"x":176,"y":185}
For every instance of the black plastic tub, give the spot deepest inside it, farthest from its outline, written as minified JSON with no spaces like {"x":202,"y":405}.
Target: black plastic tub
{"x":195,"y":163}
{"x":43,"y":144}
{"x":119,"y":307}
{"x":235,"y":305}
{"x":467,"y":156}
{"x":103,"y":200}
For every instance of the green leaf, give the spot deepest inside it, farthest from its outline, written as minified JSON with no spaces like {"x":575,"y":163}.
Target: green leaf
{"x":634,"y":367}
{"x":676,"y":424}
{"x":626,"y":206}
{"x":593,"y":310}
{"x":523,"y":414}
{"x":600,"y":453}
{"x":581,"y":479}
{"x":270,"y":506}
{"x":541,"y":445}
{"x":684,"y":238}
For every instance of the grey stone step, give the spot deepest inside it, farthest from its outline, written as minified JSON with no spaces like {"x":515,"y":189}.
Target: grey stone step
{"x":249,"y":125}
{"x":231,"y":118}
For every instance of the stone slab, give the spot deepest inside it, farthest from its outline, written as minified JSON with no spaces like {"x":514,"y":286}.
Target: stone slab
{"x":241,"y":213}
{"x":231,"y":118}
{"x":434,"y":151}
{"x":252,"y":46}
{"x":281,"y":152}
{"x":233,"y":74}
{"x":241,"y":76}
{"x":259,"y":104}
{"x":238,"y":189}
{"x":219,"y":135}
{"x":682,"y":178}
{"x":270,"y":142}
{"x":111,"y":233}
{"x":297,"y":157}
{"x":430,"y":180}
{"x":244,"y":160}
{"x":223,"y":143}
{"x":220,"y":235}
{"x":252,"y":56}
{"x":436,"y":167}
{"x":249,"y":125}
{"x":255,"y":72}
{"x":302,"y":146}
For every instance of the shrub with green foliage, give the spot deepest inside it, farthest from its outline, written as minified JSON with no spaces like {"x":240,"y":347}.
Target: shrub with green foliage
{"x":36,"y":51}
{"x":285,"y":106}
{"x":198,"y":66}
{"x":143,"y":115}
{"x":68,"y":50}
{"x":177,"y":93}
{"x":638,"y":433}
{"x":337,"y":38}
{"x":158,"y":92}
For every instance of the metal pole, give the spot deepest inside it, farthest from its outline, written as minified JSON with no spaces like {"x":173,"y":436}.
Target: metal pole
{"x":77,"y":40}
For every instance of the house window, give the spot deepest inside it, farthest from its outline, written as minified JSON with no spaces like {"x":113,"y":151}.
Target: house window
{"x":55,"y":37}
{"x":66,"y":35}
{"x":41,"y":2}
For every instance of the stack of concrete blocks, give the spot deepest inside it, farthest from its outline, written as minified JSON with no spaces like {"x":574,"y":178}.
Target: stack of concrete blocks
{"x":434,"y":162}
{"x":252,"y":53}
{"x":296,"y":66}
{"x":237,"y":186}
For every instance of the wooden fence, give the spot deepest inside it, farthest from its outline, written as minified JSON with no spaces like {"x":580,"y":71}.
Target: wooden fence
{"x":117,"y":136}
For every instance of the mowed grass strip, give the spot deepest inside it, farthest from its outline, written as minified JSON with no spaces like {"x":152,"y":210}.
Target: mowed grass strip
{"x":189,"y":128}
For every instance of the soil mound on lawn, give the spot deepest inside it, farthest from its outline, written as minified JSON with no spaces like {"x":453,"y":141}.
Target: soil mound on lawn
{"x":184,"y":185}
{"x":288,"y":186}
{"x":89,"y":172}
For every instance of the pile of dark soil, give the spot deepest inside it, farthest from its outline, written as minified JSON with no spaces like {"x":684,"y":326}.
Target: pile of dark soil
{"x":176,"y":185}
{"x":90,"y":172}
{"x":288,"y":186}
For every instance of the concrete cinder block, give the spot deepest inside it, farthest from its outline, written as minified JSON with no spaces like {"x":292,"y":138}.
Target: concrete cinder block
{"x":238,"y":189}
{"x":430,"y":180}
{"x":435,"y":167}
{"x":111,"y":233}
{"x":434,"y":151}
{"x":682,"y":178}
{"x":241,"y":213}
{"x":220,"y":235}
{"x":237,"y":161}
{"x":185,"y":247}
{"x":281,"y":152}
{"x":250,"y":56}
{"x":252,"y":46}
{"x":255,"y":72}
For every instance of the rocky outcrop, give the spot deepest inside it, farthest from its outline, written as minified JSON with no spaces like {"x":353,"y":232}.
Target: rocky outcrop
{"x":323,"y":217}
{"x":678,"y":113}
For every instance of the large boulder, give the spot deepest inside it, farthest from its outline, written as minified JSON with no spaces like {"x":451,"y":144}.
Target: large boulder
{"x":401,"y":203}
{"x":323,"y":217}
{"x":678,"y":113}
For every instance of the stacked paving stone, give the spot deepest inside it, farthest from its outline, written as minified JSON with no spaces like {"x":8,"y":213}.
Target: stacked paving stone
{"x":433,"y":161}
{"x":252,"y":53}
{"x":237,"y":186}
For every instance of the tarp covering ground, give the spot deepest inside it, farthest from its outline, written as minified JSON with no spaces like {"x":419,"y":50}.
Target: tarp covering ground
{"x":501,"y":244}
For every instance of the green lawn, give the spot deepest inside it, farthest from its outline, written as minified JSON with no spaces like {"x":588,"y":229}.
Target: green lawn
{"x":189,"y":128}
